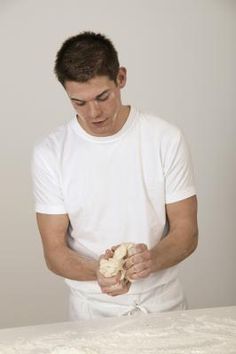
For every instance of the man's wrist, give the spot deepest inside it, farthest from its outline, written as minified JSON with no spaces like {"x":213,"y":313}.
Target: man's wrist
{"x":154,"y":266}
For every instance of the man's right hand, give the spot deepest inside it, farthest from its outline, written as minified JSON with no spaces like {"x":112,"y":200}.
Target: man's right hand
{"x":112,"y":286}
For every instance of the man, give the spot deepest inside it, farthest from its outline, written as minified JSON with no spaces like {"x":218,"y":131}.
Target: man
{"x":112,"y":175}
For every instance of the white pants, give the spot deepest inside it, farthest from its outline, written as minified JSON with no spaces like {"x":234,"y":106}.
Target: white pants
{"x":167,"y":297}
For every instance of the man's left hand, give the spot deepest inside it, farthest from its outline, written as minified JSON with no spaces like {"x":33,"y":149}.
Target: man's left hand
{"x":140,"y":263}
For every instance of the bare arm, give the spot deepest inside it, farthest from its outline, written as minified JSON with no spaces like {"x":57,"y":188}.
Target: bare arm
{"x":67,"y":263}
{"x":59,"y":257}
{"x":179,"y":243}
{"x":182,"y":238}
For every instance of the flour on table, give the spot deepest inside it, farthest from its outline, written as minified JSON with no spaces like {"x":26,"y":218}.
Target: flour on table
{"x":144,"y":334}
{"x":67,"y":350}
{"x":112,"y":266}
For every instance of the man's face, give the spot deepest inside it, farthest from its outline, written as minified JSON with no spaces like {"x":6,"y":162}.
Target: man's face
{"x":97,"y":103}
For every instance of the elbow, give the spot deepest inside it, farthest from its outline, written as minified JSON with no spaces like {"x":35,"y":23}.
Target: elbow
{"x":193,"y":242}
{"x":190,"y":243}
{"x":50,"y":265}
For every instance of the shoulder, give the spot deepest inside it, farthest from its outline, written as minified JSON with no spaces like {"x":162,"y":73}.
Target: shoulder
{"x":52,"y":143}
{"x":158,"y":128}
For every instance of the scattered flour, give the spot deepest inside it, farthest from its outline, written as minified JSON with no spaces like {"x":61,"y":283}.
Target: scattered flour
{"x":143,"y":334}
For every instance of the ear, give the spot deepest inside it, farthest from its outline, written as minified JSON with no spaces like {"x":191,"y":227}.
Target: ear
{"x":121,"y":77}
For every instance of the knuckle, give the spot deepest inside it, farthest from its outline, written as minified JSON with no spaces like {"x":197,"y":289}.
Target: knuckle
{"x":133,"y":269}
{"x":132,"y":260}
{"x":139,"y":267}
{"x":141,"y":258}
{"x":136,"y":259}
{"x":128,"y":274}
{"x":142,"y":247}
{"x":129,"y":263}
{"x":132,"y":251}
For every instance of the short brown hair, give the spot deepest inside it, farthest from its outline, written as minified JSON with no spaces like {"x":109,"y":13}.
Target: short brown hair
{"x":85,"y":56}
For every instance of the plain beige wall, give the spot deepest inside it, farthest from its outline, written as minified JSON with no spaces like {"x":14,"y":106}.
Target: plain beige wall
{"x":180,"y":57}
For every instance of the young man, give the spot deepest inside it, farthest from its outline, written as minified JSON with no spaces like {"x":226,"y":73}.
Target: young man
{"x":112,"y":175}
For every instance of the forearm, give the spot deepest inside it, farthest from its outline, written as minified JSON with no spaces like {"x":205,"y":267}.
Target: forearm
{"x":70,"y":264}
{"x":173,"y":248}
{"x":61,"y":259}
{"x":178,"y":244}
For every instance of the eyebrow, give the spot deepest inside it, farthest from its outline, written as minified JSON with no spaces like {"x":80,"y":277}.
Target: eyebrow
{"x":98,"y":96}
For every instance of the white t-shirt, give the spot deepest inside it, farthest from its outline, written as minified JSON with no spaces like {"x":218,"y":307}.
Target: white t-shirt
{"x":114,"y":188}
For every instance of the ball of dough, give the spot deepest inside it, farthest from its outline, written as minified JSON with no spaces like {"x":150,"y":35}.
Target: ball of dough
{"x":112,"y":266}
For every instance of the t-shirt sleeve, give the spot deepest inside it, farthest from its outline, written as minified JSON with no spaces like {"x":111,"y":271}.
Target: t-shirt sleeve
{"x":178,"y":170}
{"x":47,"y":190}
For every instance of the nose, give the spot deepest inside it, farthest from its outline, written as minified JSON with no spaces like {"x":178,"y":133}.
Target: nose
{"x":94,"y":109}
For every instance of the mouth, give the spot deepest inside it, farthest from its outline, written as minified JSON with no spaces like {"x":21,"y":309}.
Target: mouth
{"x":99,"y":123}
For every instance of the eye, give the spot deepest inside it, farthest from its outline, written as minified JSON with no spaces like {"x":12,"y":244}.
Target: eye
{"x":103,"y":97}
{"x":79,"y":104}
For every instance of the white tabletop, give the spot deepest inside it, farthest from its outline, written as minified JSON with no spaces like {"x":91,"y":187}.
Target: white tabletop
{"x":207,"y":331}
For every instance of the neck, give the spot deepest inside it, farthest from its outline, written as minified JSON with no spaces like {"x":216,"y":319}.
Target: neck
{"x":122,"y":117}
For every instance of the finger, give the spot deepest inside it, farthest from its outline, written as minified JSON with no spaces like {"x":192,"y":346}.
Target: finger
{"x":128,"y":263}
{"x":112,"y":288}
{"x":122,"y":284}
{"x":121,"y":291}
{"x":108,"y":281}
{"x":138,"y":248}
{"x":108,"y":254}
{"x":118,"y":293}
{"x":138,"y":268}
{"x":144,"y":274}
{"x":138,"y":258}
